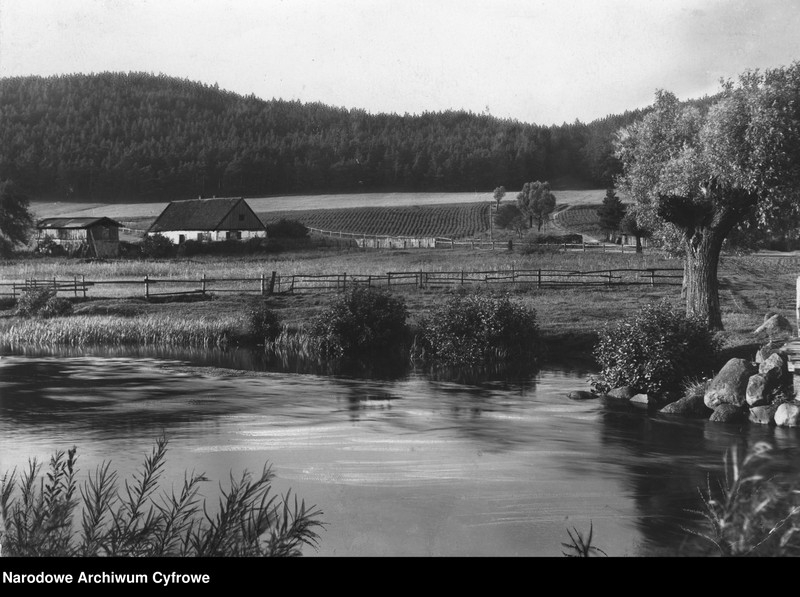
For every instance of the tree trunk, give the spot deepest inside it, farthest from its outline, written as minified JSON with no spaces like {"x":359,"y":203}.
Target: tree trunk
{"x":638,"y":244}
{"x":700,"y":277}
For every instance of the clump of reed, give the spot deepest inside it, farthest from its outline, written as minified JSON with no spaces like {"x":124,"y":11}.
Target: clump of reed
{"x":40,"y":514}
{"x":755,"y":509}
{"x":143,"y":330}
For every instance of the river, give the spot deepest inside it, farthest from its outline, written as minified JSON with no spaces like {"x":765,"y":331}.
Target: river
{"x":404,"y":464}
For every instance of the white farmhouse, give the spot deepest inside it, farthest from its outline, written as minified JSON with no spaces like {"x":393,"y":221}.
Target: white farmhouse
{"x":219,"y":218}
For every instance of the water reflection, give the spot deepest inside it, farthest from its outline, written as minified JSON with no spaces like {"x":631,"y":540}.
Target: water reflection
{"x":412,"y":464}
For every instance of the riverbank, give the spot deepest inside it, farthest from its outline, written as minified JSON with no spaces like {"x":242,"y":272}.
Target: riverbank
{"x":569,"y":319}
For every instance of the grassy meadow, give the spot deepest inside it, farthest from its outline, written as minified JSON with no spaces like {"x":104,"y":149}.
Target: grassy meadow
{"x":569,"y":318}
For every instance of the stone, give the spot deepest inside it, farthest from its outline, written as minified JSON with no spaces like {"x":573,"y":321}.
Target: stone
{"x":776,"y":327}
{"x":757,"y":393}
{"x":728,"y":413}
{"x":729,"y":386}
{"x":645,"y":400}
{"x":774,"y":369}
{"x":581,"y":395}
{"x":788,"y":415}
{"x":763,"y":415}
{"x":622,"y":393}
{"x":689,"y":406}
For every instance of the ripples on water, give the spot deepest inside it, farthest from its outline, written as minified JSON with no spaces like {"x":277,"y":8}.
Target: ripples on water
{"x":405,"y":464}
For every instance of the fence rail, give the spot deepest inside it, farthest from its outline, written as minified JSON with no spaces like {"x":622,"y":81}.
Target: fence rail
{"x":274,"y":283}
{"x":382,"y":241}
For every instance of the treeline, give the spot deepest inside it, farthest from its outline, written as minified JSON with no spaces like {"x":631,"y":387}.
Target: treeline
{"x":116,"y":136}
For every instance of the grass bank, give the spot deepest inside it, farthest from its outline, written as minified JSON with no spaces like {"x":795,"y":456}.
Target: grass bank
{"x":569,"y":319}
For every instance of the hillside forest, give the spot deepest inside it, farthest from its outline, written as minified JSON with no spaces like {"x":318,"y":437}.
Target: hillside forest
{"x":137,"y":136}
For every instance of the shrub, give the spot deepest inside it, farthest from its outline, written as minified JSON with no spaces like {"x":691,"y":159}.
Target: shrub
{"x":42,"y":302}
{"x":474,"y":329}
{"x":264,"y":323}
{"x":156,"y":246}
{"x":284,"y":228}
{"x":48,"y":246}
{"x":654,"y":351}
{"x":38,"y":515}
{"x":364,"y":320}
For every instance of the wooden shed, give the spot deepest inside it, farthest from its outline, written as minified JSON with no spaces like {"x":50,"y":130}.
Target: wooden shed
{"x":90,"y":237}
{"x":208,"y":220}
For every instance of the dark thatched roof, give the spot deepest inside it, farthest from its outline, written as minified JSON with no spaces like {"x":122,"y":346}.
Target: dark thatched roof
{"x":75,"y":222}
{"x":199,"y":214}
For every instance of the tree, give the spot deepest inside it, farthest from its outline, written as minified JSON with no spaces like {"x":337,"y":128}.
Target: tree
{"x":511,"y":218}
{"x":536,"y":201}
{"x":499,"y":193}
{"x":697,"y":174}
{"x":611,"y":212}
{"x":16,"y":219}
{"x":630,"y":226}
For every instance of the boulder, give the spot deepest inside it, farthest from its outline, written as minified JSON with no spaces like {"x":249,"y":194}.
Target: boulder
{"x":763,"y":415}
{"x":776,"y":327}
{"x":729,"y":386}
{"x":646,"y":400}
{"x":728,"y":413}
{"x":689,"y":406}
{"x":757,"y":393}
{"x":788,"y":414}
{"x":622,"y":393}
{"x":774,"y":369}
{"x":581,"y":395}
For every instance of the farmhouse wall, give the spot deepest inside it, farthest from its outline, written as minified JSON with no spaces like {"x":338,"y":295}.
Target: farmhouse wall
{"x":178,"y":236}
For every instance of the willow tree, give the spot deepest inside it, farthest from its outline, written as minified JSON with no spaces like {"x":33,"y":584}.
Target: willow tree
{"x":16,"y":219}
{"x":697,"y":175}
{"x":536,"y":201}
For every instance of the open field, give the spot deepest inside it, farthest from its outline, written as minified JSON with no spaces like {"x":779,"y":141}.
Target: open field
{"x":126,"y":211}
{"x":569,"y":318}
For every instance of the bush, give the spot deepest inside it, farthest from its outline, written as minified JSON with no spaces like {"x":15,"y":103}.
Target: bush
{"x":156,"y":246}
{"x":284,"y":228}
{"x":42,"y":302}
{"x":48,"y":246}
{"x":364,"y":320}
{"x":473,"y":330}
{"x":38,"y":516}
{"x":264,"y":323}
{"x":654,"y":351}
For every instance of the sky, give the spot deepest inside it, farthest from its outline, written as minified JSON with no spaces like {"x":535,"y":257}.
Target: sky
{"x":537,"y":61}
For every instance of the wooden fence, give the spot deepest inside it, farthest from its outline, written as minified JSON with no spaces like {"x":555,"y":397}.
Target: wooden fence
{"x":274,"y":283}
{"x":377,"y":241}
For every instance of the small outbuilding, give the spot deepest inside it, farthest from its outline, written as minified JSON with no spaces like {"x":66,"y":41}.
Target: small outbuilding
{"x":86,"y":237}
{"x":208,"y":220}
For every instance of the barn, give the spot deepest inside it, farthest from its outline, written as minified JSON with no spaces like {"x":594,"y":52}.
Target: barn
{"x":87,"y":237}
{"x":214,"y":219}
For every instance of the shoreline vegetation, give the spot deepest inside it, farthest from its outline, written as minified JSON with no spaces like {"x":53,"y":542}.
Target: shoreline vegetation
{"x":569,"y":320}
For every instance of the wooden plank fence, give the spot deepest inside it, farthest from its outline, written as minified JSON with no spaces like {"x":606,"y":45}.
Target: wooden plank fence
{"x":377,"y":241}
{"x":274,"y":283}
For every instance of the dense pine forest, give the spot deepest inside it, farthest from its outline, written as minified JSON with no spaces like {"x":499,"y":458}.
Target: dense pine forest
{"x":138,"y":136}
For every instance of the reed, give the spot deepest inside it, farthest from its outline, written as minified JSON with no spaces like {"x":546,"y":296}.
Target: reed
{"x":755,"y":509}
{"x":144,"y":330}
{"x":135,"y":519}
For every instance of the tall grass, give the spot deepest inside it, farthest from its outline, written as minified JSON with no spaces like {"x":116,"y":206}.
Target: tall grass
{"x":41,"y":515}
{"x":142,"y":330}
{"x":755,"y":509}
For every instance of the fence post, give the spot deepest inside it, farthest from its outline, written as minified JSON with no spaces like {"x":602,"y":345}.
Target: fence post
{"x":513,"y":276}
{"x":83,"y":279}
{"x":146,"y":287}
{"x":539,"y":278}
{"x":203,"y":285}
{"x":652,"y":277}
{"x":344,"y":281}
{"x":609,"y":277}
{"x":583,"y":242}
{"x":263,"y":285}
{"x":55,"y":286}
{"x":75,"y":287}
